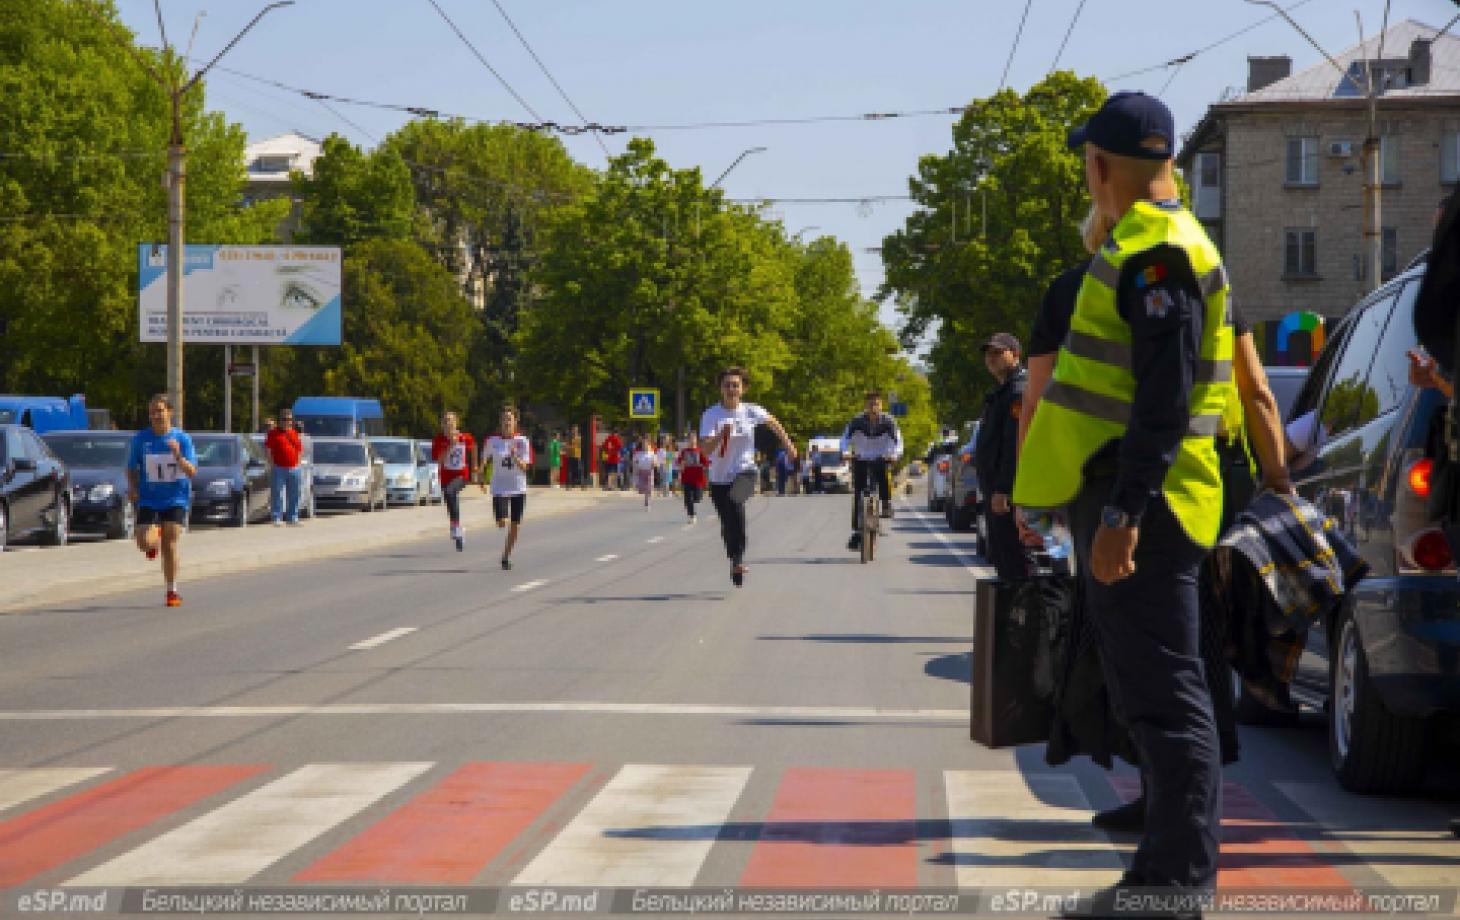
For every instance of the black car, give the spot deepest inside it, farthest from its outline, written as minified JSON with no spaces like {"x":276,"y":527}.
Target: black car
{"x":1386,"y":664}
{"x":97,"y":462}
{"x":232,"y":482}
{"x":35,"y":489}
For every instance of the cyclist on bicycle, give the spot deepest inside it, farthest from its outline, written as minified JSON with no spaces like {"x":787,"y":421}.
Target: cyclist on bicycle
{"x":873,"y":440}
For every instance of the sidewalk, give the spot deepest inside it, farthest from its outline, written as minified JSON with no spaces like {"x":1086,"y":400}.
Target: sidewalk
{"x":92,"y":568}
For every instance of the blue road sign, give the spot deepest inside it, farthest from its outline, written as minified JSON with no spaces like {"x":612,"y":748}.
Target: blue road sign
{"x":643,"y":403}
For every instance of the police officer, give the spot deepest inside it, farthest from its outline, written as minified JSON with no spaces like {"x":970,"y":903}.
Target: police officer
{"x":1124,"y":435}
{"x":994,"y":457}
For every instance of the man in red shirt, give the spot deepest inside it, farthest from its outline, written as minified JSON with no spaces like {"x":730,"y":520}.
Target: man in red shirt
{"x":613,"y":449}
{"x":285,"y":447}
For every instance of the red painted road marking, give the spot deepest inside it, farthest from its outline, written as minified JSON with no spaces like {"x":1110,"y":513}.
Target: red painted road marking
{"x":451,"y":832}
{"x":1258,"y":850}
{"x":831,"y":828}
{"x":55,"y":834}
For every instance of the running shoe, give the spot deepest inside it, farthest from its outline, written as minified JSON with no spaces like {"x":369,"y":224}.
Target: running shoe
{"x":174,"y":599}
{"x":152,"y":554}
{"x":506,"y":564}
{"x":460,"y":543}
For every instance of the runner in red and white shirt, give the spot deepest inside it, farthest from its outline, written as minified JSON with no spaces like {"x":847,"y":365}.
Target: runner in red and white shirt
{"x":692,"y":464}
{"x":456,"y":453}
{"x":510,"y":456}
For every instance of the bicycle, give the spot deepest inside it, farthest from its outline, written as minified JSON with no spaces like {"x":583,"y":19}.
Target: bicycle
{"x":871,"y":518}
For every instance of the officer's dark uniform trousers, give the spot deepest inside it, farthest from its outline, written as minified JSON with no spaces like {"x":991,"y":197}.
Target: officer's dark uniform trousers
{"x":1148,"y":617}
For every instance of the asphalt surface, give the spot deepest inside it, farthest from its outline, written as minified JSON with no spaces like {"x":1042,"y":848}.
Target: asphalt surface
{"x":664,"y":727}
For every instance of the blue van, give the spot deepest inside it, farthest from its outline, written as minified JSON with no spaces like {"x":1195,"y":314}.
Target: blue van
{"x":339,"y":417}
{"x":45,"y":413}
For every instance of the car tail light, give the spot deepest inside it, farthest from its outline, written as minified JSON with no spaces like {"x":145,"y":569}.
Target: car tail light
{"x":942,"y":466}
{"x":1419,"y":477}
{"x":1430,"y":550}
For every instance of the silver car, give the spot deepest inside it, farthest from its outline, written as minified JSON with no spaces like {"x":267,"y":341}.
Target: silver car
{"x":428,"y":473}
{"x":348,"y":474}
{"x":938,"y":461}
{"x":402,"y":484}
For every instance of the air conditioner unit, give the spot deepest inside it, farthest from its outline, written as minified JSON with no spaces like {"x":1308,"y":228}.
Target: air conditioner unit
{"x":1341,"y":148}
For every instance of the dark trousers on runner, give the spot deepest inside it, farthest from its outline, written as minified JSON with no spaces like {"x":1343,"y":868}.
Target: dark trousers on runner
{"x":732,"y":515}
{"x":451,"y":492}
{"x":692,"y":496}
{"x":863,"y":472}
{"x":1148,"y":633}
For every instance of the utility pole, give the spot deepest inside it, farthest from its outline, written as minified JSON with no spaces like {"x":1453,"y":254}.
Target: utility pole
{"x":1373,"y":172}
{"x":176,"y":181}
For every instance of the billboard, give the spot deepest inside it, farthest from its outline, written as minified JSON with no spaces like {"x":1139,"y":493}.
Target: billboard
{"x":245,"y":295}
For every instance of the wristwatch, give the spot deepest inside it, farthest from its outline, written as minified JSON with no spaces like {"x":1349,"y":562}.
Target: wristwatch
{"x":1114,"y":518}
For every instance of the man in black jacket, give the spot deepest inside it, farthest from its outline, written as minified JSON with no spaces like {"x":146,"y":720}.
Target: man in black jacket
{"x":995,"y":455}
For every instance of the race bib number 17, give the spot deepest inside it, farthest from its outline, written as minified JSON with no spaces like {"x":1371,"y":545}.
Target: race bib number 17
{"x":161,"y":468}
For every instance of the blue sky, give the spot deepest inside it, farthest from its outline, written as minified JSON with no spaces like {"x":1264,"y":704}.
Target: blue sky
{"x":653,"y":62}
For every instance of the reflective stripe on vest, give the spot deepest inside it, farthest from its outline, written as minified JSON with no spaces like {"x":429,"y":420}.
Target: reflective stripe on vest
{"x":1111,"y":409}
{"x":1118,"y":354}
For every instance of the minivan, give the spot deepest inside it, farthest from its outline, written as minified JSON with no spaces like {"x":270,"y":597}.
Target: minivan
{"x":44,"y":413}
{"x":1386,"y":664}
{"x":339,"y":416}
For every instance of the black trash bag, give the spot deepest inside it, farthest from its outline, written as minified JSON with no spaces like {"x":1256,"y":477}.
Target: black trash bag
{"x":1019,"y":634}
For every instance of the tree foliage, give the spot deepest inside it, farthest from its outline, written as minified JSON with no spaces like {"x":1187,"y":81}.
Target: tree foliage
{"x":998,"y":219}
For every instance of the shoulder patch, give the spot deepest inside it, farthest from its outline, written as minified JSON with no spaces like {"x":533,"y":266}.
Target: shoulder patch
{"x":1150,"y":275}
{"x":1158,"y":303}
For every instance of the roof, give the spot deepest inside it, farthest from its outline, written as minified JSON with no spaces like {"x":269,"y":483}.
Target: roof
{"x":291,"y":151}
{"x":1322,"y":81}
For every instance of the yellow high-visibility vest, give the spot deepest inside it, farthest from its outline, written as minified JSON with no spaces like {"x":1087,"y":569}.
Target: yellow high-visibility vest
{"x":1088,"y":401}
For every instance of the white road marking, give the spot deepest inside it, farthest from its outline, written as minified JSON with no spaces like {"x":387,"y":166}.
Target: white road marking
{"x":609,"y":558}
{"x":1004,"y":821}
{"x":651,"y":825}
{"x":390,"y":709}
{"x":236,"y":841}
{"x":967,"y":560}
{"x":19,"y":786}
{"x":528,"y":586}
{"x":655,"y":540}
{"x":1408,"y":847}
{"x":383,"y":638}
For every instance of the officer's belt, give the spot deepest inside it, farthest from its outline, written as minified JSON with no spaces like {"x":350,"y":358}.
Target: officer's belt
{"x":1114,"y":409}
{"x":1084,"y":345}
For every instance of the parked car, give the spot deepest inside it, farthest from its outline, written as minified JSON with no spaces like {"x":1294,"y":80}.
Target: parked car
{"x":348,"y":474}
{"x":403,"y":485}
{"x":938,"y":464}
{"x":1285,"y":383}
{"x":339,"y":416}
{"x":232,"y":483}
{"x":962,"y":507}
{"x":35,"y":489}
{"x":97,"y":462}
{"x":429,"y":472}
{"x":306,"y":474}
{"x":1386,"y":664}
{"x":836,"y":472}
{"x":44,"y":413}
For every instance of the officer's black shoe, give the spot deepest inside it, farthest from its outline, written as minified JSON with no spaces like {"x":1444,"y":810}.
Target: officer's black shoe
{"x":855,"y":542}
{"x":1128,"y":817}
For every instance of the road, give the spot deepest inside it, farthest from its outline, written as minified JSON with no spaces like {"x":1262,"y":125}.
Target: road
{"x":610,"y":712}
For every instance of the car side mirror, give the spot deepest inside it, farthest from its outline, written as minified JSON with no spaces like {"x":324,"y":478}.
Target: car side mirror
{"x":24,"y":464}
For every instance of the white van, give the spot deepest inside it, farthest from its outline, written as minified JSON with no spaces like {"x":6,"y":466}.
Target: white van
{"x":836,"y":472}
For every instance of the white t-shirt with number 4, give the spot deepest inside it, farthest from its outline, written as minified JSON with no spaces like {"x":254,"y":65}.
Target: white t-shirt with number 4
{"x":737,"y":454}
{"x":511,"y":458}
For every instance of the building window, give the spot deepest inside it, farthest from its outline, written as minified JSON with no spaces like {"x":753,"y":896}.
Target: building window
{"x":1389,"y":160}
{"x":1450,"y":157}
{"x":1207,"y":192}
{"x":1302,"y":161}
{"x":1389,"y":251}
{"x":1300,"y":257}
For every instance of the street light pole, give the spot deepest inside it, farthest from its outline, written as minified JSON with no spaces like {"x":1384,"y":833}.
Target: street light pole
{"x":743,"y":155}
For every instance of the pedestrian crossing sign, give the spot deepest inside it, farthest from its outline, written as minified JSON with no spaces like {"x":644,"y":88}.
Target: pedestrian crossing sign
{"x":643,"y":403}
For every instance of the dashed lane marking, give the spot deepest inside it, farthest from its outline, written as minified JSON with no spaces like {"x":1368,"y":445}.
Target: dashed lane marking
{"x":383,"y":638}
{"x":528,"y":585}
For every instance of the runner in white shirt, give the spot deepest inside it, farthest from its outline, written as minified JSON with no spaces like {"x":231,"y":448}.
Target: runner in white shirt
{"x":727,"y":430}
{"x":509,"y":454}
{"x":646,"y":461}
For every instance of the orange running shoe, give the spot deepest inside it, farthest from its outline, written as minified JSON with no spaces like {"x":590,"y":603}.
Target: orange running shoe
{"x":152,"y":554}
{"x":174,"y":599}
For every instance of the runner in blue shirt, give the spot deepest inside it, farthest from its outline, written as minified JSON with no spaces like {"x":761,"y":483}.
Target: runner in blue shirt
{"x":160,"y":465}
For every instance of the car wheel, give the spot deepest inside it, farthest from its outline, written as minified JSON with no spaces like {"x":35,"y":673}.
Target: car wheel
{"x":1370,"y":748}
{"x":123,"y":523}
{"x":240,"y":511}
{"x":60,"y":530}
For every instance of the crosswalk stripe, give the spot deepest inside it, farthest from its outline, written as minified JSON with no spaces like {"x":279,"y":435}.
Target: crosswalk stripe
{"x":20,"y":786}
{"x":233,"y":843}
{"x":53,"y":835}
{"x":451,"y":832}
{"x":831,"y":828}
{"x":650,"y":825}
{"x":1013,"y":829}
{"x":1399,"y":841}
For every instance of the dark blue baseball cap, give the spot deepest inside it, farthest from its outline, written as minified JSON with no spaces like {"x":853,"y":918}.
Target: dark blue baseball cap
{"x":1125,"y":122}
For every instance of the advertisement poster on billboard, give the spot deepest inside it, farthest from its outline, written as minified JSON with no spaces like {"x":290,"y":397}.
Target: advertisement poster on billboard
{"x":245,"y":295}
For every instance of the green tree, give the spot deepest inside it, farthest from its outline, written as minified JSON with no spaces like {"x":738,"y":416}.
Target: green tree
{"x":997,"y":221}
{"x":352,"y":196}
